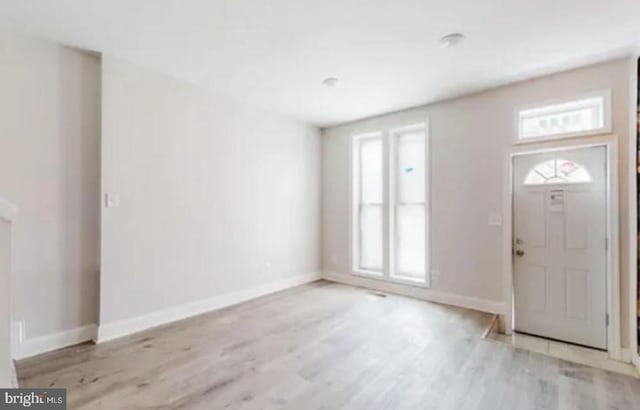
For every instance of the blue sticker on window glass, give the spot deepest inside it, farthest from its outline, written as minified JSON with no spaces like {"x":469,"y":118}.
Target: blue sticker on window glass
{"x":408,"y":169}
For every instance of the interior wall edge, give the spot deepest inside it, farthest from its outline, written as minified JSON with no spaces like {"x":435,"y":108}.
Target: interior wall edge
{"x":42,"y":344}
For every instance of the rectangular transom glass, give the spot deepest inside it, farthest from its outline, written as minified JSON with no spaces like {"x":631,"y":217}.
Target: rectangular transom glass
{"x":575,"y":117}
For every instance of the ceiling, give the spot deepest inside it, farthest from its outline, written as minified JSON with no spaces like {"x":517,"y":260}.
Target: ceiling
{"x":275,"y":53}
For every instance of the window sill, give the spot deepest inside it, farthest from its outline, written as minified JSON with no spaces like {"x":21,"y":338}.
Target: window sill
{"x":396,"y":281}
{"x":367,"y":273}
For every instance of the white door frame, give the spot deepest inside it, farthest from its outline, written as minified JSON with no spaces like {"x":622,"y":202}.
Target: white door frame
{"x":613,"y":253}
{"x":633,"y":209}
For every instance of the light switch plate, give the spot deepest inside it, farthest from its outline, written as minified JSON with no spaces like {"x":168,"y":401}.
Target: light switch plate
{"x":111,"y":201}
{"x":495,"y":220}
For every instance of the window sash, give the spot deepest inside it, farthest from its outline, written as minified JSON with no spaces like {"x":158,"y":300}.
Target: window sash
{"x":360,"y":238}
{"x":587,"y":114}
{"x":398,"y":248}
{"x":363,"y":239}
{"x":390,"y":205}
{"x":398,"y":272}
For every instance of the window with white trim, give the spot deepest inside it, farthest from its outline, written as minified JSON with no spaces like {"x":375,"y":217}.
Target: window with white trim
{"x":370,"y":204}
{"x":587,"y":115}
{"x":557,"y":171}
{"x":390,"y":196}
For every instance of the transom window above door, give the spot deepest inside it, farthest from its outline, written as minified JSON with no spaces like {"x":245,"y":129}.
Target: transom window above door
{"x":557,"y":171}
{"x":588,"y":114}
{"x":390,"y":197}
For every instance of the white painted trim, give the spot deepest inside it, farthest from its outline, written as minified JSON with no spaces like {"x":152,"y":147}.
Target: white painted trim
{"x":17,"y":336}
{"x":431,"y":295}
{"x":388,"y":135}
{"x":390,"y":279}
{"x":13,"y":374}
{"x":8,"y":211}
{"x":132,"y":325}
{"x":392,"y":178}
{"x":356,"y":141}
{"x":38,"y":345}
{"x":614,"y":337}
{"x":607,"y":127}
{"x":506,"y":321}
{"x":635,"y":358}
{"x":614,"y":345}
{"x":632,"y":206}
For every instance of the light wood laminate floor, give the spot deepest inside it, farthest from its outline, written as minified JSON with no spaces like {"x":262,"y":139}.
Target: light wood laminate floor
{"x":324,"y":346}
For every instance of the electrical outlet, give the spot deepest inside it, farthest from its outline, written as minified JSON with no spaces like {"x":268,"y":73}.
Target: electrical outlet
{"x":268,"y":265}
{"x":434,"y":275}
{"x":495,"y":220}
{"x":334,"y":259}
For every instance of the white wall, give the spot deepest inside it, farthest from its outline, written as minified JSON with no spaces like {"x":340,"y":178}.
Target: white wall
{"x":470,"y":137}
{"x":216,"y":196}
{"x":5,"y":271}
{"x":210,"y":192}
{"x":8,"y":376}
{"x":49,"y":167}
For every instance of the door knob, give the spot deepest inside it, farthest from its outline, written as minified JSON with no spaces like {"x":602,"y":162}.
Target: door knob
{"x":520,"y":252}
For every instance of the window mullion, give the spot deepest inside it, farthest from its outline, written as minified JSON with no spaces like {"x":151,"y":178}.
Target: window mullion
{"x":377,"y":217}
{"x":391,"y":198}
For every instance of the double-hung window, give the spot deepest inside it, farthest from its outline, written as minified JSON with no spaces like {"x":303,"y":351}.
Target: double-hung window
{"x":390,"y":204}
{"x":369,"y":197}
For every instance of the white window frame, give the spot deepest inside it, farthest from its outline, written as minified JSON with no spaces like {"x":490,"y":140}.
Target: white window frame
{"x":605,"y":129}
{"x":356,"y":202}
{"x":389,"y":136}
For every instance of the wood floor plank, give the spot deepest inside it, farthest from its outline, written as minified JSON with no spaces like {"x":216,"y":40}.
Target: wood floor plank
{"x":324,"y":346}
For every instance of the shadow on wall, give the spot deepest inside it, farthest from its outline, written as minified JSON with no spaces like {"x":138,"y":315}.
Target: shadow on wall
{"x":50,"y":168}
{"x":80,"y":98}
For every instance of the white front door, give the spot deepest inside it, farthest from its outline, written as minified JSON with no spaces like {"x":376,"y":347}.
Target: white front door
{"x":559,"y":243}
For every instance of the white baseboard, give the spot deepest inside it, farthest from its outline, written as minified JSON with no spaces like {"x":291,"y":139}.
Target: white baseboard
{"x":17,"y":335}
{"x":14,"y":374}
{"x":635,"y":359}
{"x":28,"y":347}
{"x":430,"y":295}
{"x":126,"y":327}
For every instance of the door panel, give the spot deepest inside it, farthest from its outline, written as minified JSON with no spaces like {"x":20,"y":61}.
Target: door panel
{"x":559,"y":234}
{"x":576,"y":220}
{"x":577,"y":289}
{"x":534,"y":219}
{"x":536,"y":289}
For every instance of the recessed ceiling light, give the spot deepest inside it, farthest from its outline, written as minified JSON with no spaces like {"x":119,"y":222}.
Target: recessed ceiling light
{"x":330,"y":82}
{"x":450,"y":40}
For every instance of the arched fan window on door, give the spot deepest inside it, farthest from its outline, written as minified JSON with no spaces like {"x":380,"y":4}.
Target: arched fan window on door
{"x":557,"y":171}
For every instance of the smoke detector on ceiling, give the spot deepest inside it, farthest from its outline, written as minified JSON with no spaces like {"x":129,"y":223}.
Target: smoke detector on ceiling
{"x":450,"y":40}
{"x":330,"y":82}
